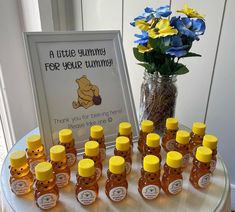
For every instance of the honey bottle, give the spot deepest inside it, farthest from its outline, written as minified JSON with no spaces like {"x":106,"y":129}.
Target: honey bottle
{"x":149,"y":183}
{"x":97,"y":134}
{"x":182,"y":146}
{"x":146,"y":128}
{"x":123,"y":149}
{"x":86,"y":187}
{"x":200,"y":173}
{"x":92,"y":152}
{"x":126,"y":130}
{"x":66,"y":139}
{"x":169,"y":135}
{"x":196,"y":137}
{"x":46,"y":193}
{"x":172,"y":180}
{"x":21,"y":179}
{"x":211,"y":141}
{"x":116,"y":185}
{"x":35,"y":151}
{"x":59,"y":163}
{"x":152,"y":145}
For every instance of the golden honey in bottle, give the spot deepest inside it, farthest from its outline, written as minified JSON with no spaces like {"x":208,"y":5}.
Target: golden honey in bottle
{"x":200,"y":173}
{"x":58,"y":160}
{"x":46,"y":193}
{"x":35,"y":151}
{"x":196,"y":137}
{"x":172,"y":180}
{"x":92,"y":152}
{"x":168,"y":139}
{"x":123,"y":149}
{"x":66,"y":139}
{"x":21,"y":179}
{"x":126,"y":130}
{"x":86,"y":188}
{"x":211,"y":141}
{"x":116,"y":185}
{"x":149,"y":183}
{"x":152,"y":145}
{"x":182,"y":146}
{"x":97,"y":134}
{"x":146,"y":128}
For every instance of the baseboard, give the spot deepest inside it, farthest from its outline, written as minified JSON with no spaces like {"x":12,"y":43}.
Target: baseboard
{"x":233,"y":196}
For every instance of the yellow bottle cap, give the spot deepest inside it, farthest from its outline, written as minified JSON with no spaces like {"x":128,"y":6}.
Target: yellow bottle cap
{"x":203,"y":154}
{"x":199,"y":128}
{"x":86,"y":168}
{"x":182,"y":137}
{"x":57,"y":153}
{"x":124,"y":128}
{"x":122,"y":143}
{"x":153,"y":140}
{"x":172,"y":124}
{"x":210,"y":141}
{"x":44,"y":171}
{"x":174,"y":159}
{"x":151,"y":163}
{"x":92,"y":148}
{"x":147,"y":126}
{"x":33,"y":142}
{"x":18,"y":159}
{"x":116,"y":164}
{"x":97,"y":131}
{"x":65,"y":136}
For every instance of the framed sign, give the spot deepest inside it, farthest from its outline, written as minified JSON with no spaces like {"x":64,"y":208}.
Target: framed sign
{"x":79,"y":79}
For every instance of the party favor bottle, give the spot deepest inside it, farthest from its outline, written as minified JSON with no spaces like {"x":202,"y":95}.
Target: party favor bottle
{"x":152,"y":145}
{"x":86,"y":187}
{"x":66,"y":139}
{"x":92,"y":152}
{"x":125,"y":130}
{"x":46,"y":193}
{"x":116,"y":184}
{"x":21,"y":179}
{"x":149,"y":183}
{"x":59,"y":163}
{"x":35,"y":151}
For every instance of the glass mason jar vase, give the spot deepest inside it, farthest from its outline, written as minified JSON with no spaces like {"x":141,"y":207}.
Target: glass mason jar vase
{"x":158,"y":99}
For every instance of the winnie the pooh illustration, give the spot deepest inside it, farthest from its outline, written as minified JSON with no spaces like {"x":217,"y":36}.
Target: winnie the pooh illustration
{"x":88,"y":94}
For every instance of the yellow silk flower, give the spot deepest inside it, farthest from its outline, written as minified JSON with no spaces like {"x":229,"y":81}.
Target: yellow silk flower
{"x":143,"y":49}
{"x":162,"y":29}
{"x":143,"y":25}
{"x":190,"y":12}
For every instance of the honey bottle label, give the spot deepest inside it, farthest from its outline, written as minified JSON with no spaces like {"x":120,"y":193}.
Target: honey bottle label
{"x":212,"y":166}
{"x":86,"y":197}
{"x":20,"y":187}
{"x":117,"y":193}
{"x":71,"y":158}
{"x":150,"y":191}
{"x":62,"y":179}
{"x":102,"y":153}
{"x":170,"y":145}
{"x":33,"y":164}
{"x":47,"y":201}
{"x":98,"y":173}
{"x":204,"y":180}
{"x":175,"y":186}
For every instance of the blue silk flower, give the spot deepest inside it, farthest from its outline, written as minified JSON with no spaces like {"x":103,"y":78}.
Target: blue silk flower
{"x":143,"y":38}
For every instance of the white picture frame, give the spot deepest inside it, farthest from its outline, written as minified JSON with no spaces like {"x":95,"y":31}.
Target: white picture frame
{"x":52,"y":92}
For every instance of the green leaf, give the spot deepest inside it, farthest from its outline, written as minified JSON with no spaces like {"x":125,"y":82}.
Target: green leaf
{"x":139,"y":56}
{"x":181,"y":69}
{"x":149,"y":67}
{"x":155,"y":43}
{"x":165,"y":69}
{"x":191,"y":54}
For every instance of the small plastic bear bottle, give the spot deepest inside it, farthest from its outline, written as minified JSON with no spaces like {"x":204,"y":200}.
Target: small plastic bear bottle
{"x":92,"y":152}
{"x":86,"y":187}
{"x":200,"y":173}
{"x":21,"y":179}
{"x":123,"y":149}
{"x":211,"y":141}
{"x":172,"y":180}
{"x":152,"y":145}
{"x":46,"y":193}
{"x":149,"y":183}
{"x":196,"y":137}
{"x":116,"y":185}
{"x":66,"y":139}
{"x":182,"y":146}
{"x":59,"y":163}
{"x":35,"y":151}
{"x":146,"y":128}
{"x":168,"y":139}
{"x":97,"y":134}
{"x":125,"y":130}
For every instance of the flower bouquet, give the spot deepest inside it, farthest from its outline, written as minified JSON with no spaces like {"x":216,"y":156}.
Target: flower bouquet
{"x":162,"y":43}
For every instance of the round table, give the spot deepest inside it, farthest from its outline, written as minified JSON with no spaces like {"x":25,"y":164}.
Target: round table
{"x":215,"y":198}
